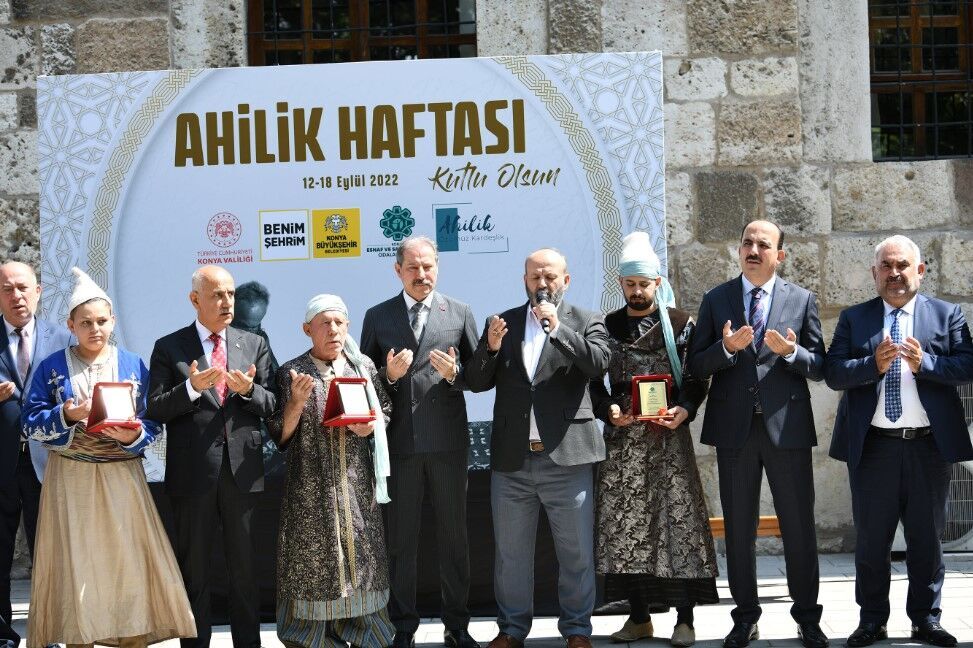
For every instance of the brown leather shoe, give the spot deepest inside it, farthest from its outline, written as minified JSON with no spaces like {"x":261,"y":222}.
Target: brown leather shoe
{"x":503,"y":640}
{"x":579,"y":641}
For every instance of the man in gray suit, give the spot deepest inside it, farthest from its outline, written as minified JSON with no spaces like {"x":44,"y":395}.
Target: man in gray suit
{"x":419,"y":339}
{"x":759,"y":338}
{"x":540,"y":357}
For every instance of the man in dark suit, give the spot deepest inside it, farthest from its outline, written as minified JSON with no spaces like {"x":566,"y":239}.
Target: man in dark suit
{"x":759,"y":338}
{"x":418,"y":340}
{"x":25,"y":340}
{"x":540,"y":356}
{"x":210,"y":385}
{"x":899,"y":357}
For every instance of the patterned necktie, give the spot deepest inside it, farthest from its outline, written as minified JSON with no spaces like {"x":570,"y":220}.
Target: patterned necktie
{"x":757,"y":317}
{"x":893,"y":377}
{"x":218,"y":361}
{"x":23,"y":354}
{"x":415,"y":319}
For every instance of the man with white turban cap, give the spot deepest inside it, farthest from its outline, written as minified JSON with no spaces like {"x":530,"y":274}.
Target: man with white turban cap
{"x":653,"y":541}
{"x":332,"y":576}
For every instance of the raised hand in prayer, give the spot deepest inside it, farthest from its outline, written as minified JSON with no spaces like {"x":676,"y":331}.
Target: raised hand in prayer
{"x":6,"y":389}
{"x":239,"y":382}
{"x":203,"y":380}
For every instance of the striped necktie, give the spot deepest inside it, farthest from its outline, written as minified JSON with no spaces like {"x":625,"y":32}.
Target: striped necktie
{"x":893,"y":377}
{"x":756,"y":317}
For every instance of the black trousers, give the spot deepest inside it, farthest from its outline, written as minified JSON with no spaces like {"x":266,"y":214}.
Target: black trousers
{"x":443,"y":475}
{"x":792,"y":485}
{"x":197,"y":519}
{"x":20,"y":494}
{"x":905,"y":480}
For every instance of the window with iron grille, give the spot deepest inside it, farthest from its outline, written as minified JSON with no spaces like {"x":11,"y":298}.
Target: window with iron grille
{"x":287,"y":32}
{"x":921,"y":78}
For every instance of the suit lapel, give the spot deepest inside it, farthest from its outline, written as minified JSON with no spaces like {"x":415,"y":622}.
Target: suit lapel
{"x":737,"y":317}
{"x":434,"y":322}
{"x":920,"y":322}
{"x":234,"y":351}
{"x":399,"y":319}
{"x":8,"y":359}
{"x":565,"y":316}
{"x":193,"y":350}
{"x":782,"y":291}
{"x":516,"y":334}
{"x":876,"y":319}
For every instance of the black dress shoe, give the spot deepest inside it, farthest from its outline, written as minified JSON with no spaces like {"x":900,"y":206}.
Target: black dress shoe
{"x":866,"y":634}
{"x":932,"y":633}
{"x":404,"y":640}
{"x":741,"y":635}
{"x":811,"y":635}
{"x":459,"y":638}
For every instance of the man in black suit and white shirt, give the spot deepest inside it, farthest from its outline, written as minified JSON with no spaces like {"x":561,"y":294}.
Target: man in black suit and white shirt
{"x":759,"y":338}
{"x":540,"y":356}
{"x":210,"y":385}
{"x":418,"y":340}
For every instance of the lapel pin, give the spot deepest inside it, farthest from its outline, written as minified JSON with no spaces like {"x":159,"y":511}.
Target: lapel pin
{"x":442,"y":307}
{"x":237,"y":345}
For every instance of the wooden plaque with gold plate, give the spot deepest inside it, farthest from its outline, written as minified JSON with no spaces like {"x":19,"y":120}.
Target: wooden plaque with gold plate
{"x":347,"y":402}
{"x":112,"y":405}
{"x":650,"y":396}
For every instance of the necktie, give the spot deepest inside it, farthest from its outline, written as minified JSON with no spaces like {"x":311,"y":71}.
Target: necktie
{"x":218,"y":361}
{"x":23,"y":354}
{"x":893,"y":377}
{"x":757,"y":317}
{"x":416,"y":319}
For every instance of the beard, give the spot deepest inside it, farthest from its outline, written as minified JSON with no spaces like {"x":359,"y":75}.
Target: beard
{"x":640,"y":306}
{"x":553,"y":297}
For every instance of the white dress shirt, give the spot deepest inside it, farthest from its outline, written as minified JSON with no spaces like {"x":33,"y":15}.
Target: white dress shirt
{"x":423,"y":314}
{"x":207,"y":343}
{"x":533,"y":346}
{"x":13,"y":339}
{"x":766,"y":301}
{"x":913,"y":413}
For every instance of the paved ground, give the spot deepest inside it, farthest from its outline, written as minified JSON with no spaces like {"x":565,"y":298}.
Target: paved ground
{"x":713,"y":621}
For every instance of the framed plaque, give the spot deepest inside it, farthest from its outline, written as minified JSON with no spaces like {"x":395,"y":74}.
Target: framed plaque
{"x":347,"y":402}
{"x":112,"y":405}
{"x":650,"y":396}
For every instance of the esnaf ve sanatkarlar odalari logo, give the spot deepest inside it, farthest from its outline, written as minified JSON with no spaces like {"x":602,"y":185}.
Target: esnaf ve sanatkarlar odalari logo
{"x":397,"y":223}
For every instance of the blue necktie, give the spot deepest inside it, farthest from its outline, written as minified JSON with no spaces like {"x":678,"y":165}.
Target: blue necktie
{"x":893,"y":377}
{"x":757,"y":318}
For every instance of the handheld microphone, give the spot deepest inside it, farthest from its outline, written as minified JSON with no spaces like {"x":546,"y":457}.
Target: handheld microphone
{"x":542,"y":298}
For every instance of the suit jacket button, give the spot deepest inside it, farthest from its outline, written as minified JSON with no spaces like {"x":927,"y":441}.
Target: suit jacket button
{"x":414,"y":402}
{"x":532,"y":388}
{"x":759,"y":361}
{"x":525,"y":416}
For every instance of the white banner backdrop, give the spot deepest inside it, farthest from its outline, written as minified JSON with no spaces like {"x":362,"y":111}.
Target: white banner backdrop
{"x":304,"y":179}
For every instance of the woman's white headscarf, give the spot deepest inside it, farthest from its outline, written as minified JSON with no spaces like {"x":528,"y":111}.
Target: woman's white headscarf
{"x":640,"y":260}
{"x":380,"y":457}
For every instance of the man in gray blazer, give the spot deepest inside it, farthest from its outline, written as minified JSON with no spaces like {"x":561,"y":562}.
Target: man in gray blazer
{"x":25,"y":340}
{"x":759,"y":338}
{"x":540,"y":357}
{"x":419,"y":340}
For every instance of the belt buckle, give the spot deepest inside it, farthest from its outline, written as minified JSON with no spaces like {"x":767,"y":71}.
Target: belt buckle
{"x":909,"y":433}
{"x":536,"y":446}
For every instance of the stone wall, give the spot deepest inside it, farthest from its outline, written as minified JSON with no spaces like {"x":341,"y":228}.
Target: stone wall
{"x":767,"y":116}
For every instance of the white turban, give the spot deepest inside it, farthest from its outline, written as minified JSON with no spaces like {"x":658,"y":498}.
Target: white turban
{"x":85,"y":289}
{"x":321,"y":303}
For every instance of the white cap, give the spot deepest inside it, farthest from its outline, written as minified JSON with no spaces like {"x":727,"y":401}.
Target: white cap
{"x":85,"y":289}
{"x":321,"y":303}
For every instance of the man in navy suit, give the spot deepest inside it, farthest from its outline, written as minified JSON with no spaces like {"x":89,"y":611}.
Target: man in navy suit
{"x":759,"y":338}
{"x":899,"y":358}
{"x":25,"y":340}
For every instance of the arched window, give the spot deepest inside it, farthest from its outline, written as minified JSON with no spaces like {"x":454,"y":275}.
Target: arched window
{"x":287,"y":32}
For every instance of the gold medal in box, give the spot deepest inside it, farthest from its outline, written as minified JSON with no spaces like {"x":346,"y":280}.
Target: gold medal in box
{"x":650,"y":397}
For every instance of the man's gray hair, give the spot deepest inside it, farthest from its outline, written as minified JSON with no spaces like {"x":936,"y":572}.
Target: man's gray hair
{"x":197,"y":281}
{"x":556,"y":251}
{"x":900,"y":241}
{"x":415,"y":240}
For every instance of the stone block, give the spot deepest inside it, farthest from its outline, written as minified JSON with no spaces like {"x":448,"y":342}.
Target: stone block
{"x":27,"y":108}
{"x":42,"y":10}
{"x":19,"y":229}
{"x":833,"y":61}
{"x":511,"y":28}
{"x":967,"y":311}
{"x":18,"y":162}
{"x":57,"y":49}
{"x":892,"y":196}
{"x":727,"y":201}
{"x":8,"y":110}
{"x":963,"y":190}
{"x":690,"y":131}
{"x":208,"y":33}
{"x":695,"y":79}
{"x":767,"y":77}
{"x":4,"y":12}
{"x":679,"y":208}
{"x":122,"y":45}
{"x":18,"y":60}
{"x":638,"y":26}
{"x":801,"y":265}
{"x":798,"y":199}
{"x":760,"y":132}
{"x":575,"y":26}
{"x":847,"y":277}
{"x":742,"y":26}
{"x":957,"y":260}
{"x":697,"y":269}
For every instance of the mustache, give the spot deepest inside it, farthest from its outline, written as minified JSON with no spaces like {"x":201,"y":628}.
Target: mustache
{"x":753,"y":257}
